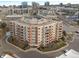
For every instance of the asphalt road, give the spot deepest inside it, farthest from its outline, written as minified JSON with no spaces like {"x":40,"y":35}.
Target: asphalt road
{"x":29,"y":54}
{"x":32,"y":54}
{"x":75,"y":44}
{"x":35,"y":54}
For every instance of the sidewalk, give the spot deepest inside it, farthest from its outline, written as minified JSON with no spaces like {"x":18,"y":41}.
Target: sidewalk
{"x":53,"y":50}
{"x":35,"y":49}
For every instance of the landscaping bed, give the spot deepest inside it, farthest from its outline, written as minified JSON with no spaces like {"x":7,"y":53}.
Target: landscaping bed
{"x":53,"y":46}
{"x":19,"y":43}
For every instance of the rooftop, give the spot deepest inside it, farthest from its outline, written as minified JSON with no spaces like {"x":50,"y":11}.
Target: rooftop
{"x":34,"y":20}
{"x":14,"y":15}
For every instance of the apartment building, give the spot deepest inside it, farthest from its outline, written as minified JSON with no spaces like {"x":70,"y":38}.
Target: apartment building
{"x":36,"y":31}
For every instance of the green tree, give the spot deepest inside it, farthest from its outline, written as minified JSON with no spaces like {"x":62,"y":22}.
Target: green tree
{"x":78,"y":22}
{"x":3,"y":27}
{"x":63,"y":39}
{"x":64,"y":33}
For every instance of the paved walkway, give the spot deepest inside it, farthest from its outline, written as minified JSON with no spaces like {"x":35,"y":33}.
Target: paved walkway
{"x":35,"y":49}
{"x":32,"y":52}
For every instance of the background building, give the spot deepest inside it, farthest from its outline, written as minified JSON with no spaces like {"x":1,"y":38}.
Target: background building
{"x":24,"y":5}
{"x":35,"y":7}
{"x":46,"y":3}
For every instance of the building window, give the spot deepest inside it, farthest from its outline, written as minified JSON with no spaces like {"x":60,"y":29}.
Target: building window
{"x":49,"y":26}
{"x":28,"y":28}
{"x":21,"y":26}
{"x":10,"y":22}
{"x":33,"y":28}
{"x":28,"y":36}
{"x":18,"y":25}
{"x":38,"y":34}
{"x":47,"y":41}
{"x":22,"y":32}
{"x":38,"y":28}
{"x":46,"y":33}
{"x":28,"y":31}
{"x":60,"y":28}
{"x":60,"y":31}
{"x":47,"y":36}
{"x":45,"y":27}
{"x":39,"y":37}
{"x":21,"y":37}
{"x":21,"y":29}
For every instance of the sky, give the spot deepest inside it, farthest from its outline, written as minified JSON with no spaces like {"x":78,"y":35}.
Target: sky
{"x":18,"y":2}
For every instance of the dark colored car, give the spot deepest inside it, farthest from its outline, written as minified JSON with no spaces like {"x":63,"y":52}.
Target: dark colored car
{"x":76,"y":31}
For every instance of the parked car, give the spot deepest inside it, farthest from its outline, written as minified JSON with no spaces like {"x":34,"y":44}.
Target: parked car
{"x":77,"y":32}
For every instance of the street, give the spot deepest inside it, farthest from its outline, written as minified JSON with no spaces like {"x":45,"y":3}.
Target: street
{"x":75,"y":43}
{"x":35,"y":54}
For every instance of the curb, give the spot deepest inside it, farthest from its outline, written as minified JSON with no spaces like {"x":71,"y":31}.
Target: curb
{"x":15,"y":46}
{"x":53,"y":50}
{"x":72,"y":40}
{"x":35,"y":49}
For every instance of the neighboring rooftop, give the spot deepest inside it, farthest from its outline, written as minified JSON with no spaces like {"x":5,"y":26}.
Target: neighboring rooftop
{"x":14,"y":15}
{"x":34,"y":20}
